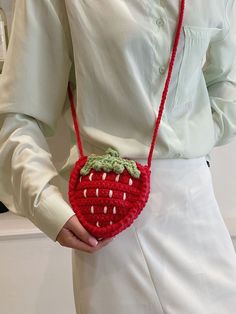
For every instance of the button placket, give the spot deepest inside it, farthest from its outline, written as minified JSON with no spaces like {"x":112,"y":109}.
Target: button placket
{"x":160,"y":22}
{"x":160,"y":42}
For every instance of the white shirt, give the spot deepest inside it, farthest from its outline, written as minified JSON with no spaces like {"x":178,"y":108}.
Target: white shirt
{"x":118,"y":51}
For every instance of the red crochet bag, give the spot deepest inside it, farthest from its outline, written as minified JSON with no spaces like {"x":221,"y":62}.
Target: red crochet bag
{"x":108,"y":192}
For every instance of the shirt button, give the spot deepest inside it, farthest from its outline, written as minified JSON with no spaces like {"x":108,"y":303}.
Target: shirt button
{"x":162,"y":69}
{"x":160,"y":22}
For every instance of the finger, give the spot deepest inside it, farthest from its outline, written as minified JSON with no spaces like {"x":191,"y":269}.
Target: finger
{"x":81,"y":233}
{"x":87,"y":248}
{"x":101,"y":244}
{"x":104,"y":242}
{"x":68,"y":239}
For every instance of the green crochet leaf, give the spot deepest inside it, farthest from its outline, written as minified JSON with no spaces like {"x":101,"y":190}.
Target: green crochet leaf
{"x":111,"y":161}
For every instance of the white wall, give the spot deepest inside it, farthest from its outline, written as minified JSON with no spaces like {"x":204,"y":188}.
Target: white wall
{"x":35,"y":273}
{"x":8,"y":6}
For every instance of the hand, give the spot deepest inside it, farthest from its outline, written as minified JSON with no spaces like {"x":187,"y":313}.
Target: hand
{"x":74,"y":235}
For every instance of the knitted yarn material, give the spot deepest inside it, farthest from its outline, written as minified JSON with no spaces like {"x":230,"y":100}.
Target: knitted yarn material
{"x":106,"y":202}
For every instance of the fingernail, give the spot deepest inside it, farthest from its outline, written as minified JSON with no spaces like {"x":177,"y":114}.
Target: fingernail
{"x":93,"y":241}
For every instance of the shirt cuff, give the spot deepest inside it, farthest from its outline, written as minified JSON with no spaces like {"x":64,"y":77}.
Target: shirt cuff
{"x":51,"y":212}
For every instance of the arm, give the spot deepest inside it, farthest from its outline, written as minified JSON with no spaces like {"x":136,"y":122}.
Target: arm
{"x":220,"y":75}
{"x":33,"y":90}
{"x":25,"y":173}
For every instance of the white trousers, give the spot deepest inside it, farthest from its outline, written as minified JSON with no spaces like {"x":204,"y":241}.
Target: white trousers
{"x":176,"y":258}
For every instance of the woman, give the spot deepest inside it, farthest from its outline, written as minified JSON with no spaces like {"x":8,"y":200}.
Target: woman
{"x":177,"y":257}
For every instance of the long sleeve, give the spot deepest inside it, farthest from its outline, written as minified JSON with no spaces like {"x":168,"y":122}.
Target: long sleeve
{"x":220,"y":76}
{"x":33,"y":91}
{"x":25,"y":173}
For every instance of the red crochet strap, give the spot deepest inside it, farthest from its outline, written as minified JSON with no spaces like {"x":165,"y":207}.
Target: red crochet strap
{"x":76,"y":126}
{"x":163,"y":98}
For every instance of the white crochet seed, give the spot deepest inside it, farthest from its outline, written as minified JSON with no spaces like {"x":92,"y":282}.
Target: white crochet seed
{"x":105,"y":209}
{"x":92,"y":209}
{"x":130,"y":181}
{"x":110,"y":193}
{"x":104,"y":176}
{"x":114,"y":210}
{"x":97,"y":192}
{"x":85,"y":193}
{"x":117,"y":177}
{"x":124,"y":196}
{"x":90,"y":176}
{"x":80,"y":178}
{"x":110,"y":222}
{"x":97,"y":224}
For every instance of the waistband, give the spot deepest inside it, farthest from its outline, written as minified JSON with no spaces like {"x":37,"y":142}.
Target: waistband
{"x":175,"y":162}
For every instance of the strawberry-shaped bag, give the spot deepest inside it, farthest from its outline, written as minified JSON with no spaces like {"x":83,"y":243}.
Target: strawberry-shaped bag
{"x":108,"y":192}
